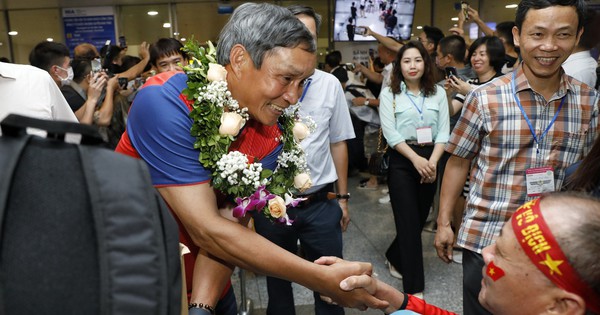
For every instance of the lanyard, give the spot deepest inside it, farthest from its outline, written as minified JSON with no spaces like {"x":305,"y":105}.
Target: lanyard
{"x":420,"y":110}
{"x":308,"y":81}
{"x":535,"y":138}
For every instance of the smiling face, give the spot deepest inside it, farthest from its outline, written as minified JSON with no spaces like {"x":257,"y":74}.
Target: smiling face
{"x":267,"y":91}
{"x":170,"y":62}
{"x":412,"y":65}
{"x":523,"y":288}
{"x":480,"y":61}
{"x":547,"y":38}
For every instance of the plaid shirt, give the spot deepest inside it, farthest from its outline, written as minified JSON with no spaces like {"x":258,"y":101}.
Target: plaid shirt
{"x":493,"y":132}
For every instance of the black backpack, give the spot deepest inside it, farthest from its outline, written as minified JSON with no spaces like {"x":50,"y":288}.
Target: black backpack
{"x":82,"y":230}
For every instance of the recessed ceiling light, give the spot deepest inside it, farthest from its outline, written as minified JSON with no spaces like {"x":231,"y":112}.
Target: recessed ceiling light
{"x":13,"y":33}
{"x":511,"y":6}
{"x":50,"y":39}
{"x":166,"y":25}
{"x":175,"y":33}
{"x":183,"y":39}
{"x":454,"y":19}
{"x":152,"y":13}
{"x":419,"y":27}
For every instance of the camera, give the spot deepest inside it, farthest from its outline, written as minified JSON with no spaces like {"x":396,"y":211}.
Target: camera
{"x":123,"y":82}
{"x":360,"y":30}
{"x":350,"y":66}
{"x":450,"y":71}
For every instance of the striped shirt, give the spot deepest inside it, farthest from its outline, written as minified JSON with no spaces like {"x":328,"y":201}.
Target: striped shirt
{"x":492,"y":131}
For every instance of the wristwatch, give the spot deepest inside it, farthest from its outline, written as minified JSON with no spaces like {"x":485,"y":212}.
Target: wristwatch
{"x":367,"y":102}
{"x":342,"y":196}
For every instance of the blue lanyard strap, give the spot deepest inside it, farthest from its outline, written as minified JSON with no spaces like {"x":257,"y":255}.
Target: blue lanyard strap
{"x":306,"y":86}
{"x":533,"y":133}
{"x":420,"y":110}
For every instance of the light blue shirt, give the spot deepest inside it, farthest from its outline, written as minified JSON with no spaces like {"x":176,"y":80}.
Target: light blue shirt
{"x":325,"y":103}
{"x":401,"y":124}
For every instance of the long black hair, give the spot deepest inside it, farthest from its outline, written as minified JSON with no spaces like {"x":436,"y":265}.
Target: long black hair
{"x":427,"y":82}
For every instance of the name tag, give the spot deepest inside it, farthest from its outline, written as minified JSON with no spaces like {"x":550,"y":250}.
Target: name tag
{"x":424,"y":135}
{"x":539,"y":180}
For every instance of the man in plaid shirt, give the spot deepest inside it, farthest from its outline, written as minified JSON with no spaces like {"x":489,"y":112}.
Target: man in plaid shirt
{"x":517,"y":134}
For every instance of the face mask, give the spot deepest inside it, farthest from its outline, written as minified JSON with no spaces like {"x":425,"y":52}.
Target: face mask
{"x":69,"y":78}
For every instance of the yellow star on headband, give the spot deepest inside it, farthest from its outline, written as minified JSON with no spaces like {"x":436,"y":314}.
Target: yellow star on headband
{"x":552,"y":264}
{"x":492,"y":271}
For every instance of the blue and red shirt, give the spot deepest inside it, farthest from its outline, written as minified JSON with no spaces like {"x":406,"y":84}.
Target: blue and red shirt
{"x":158,"y":132}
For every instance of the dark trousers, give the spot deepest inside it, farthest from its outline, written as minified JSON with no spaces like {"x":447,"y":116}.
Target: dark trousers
{"x":317,"y":226}
{"x":410,"y":203}
{"x":472,"y":266}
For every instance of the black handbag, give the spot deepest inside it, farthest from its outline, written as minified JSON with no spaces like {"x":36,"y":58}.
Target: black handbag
{"x":379,"y":162}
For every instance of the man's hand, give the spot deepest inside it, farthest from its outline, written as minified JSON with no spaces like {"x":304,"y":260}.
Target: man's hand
{"x":144,"y":50}
{"x":345,"y":214}
{"x":338,"y":270}
{"x":377,"y":288}
{"x":444,"y":238}
{"x":358,"y":101}
{"x":97,"y":82}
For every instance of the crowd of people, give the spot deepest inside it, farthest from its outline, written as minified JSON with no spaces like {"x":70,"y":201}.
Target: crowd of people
{"x":480,"y":136}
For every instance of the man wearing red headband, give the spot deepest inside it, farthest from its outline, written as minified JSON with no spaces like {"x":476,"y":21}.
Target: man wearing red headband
{"x":545,"y":261}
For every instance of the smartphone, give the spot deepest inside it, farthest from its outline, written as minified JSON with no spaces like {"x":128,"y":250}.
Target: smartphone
{"x":122,"y":42}
{"x":123,"y":82}
{"x":96,"y":65}
{"x":350,"y":66}
{"x":465,"y":7}
{"x":360,"y":30}
{"x":450,"y":71}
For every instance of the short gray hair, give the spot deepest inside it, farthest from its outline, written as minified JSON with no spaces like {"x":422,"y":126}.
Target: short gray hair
{"x":260,"y":28}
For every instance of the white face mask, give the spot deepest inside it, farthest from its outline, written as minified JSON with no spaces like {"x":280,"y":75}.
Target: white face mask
{"x":69,"y":78}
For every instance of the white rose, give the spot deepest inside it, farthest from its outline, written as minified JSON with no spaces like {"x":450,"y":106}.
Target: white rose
{"x":216,"y":72}
{"x":300,"y":131}
{"x":302,"y":182}
{"x":231,"y":123}
{"x":277,"y":207}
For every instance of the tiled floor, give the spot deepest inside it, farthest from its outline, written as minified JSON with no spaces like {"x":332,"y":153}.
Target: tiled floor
{"x":370,"y":231}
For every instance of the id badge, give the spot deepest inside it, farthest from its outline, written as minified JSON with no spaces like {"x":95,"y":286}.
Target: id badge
{"x":539,"y":180}
{"x":424,"y":135}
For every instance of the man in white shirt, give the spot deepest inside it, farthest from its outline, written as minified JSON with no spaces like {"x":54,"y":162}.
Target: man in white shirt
{"x":580,"y":64}
{"x":29,"y":91}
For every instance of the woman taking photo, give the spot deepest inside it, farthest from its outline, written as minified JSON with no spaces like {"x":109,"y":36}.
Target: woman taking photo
{"x":415,"y":123}
{"x":487,"y":57}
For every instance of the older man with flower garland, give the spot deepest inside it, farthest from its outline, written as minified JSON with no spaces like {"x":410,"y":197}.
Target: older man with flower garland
{"x":319,"y":220}
{"x":268,"y":54}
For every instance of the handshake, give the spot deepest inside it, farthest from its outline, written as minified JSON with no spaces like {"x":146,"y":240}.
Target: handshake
{"x":362,"y":290}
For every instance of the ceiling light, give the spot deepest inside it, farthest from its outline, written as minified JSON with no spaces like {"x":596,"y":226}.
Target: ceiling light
{"x":183,"y":39}
{"x":152,"y":13}
{"x":13,"y":33}
{"x":50,"y":39}
{"x":175,"y":33}
{"x":511,"y":6}
{"x":419,"y":27}
{"x":454,"y":19}
{"x":166,"y":25}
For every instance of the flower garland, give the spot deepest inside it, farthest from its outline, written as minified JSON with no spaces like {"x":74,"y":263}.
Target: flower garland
{"x":218,"y":119}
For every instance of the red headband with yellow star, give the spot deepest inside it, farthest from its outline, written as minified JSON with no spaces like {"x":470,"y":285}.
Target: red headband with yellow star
{"x":541,"y":247}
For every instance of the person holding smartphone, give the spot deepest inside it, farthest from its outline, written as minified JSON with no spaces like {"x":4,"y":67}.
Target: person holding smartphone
{"x":486,"y":57}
